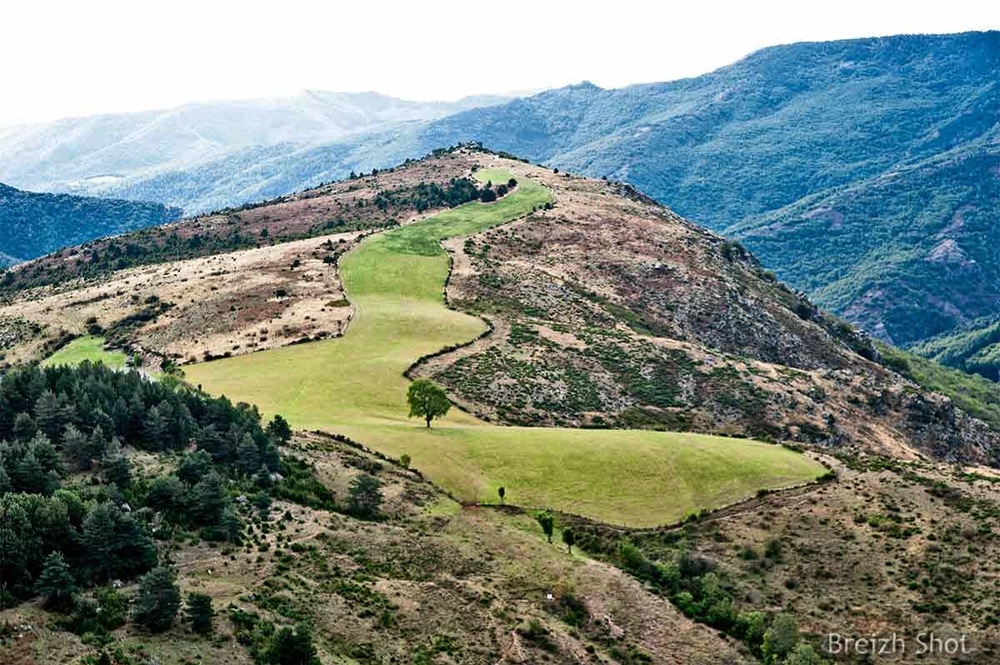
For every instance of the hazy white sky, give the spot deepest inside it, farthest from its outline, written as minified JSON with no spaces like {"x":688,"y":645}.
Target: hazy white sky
{"x":76,"y":57}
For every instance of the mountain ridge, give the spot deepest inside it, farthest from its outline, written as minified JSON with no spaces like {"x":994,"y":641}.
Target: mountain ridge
{"x":105,"y":155}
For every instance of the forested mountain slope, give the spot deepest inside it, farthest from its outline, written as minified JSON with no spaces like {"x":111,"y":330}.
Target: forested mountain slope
{"x":35,"y":224}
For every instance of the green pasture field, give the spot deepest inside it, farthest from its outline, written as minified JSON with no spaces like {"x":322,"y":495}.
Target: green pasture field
{"x":85,"y":348}
{"x":354,"y":385}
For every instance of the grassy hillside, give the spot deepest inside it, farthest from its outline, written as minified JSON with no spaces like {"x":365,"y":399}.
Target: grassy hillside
{"x":355,"y":386}
{"x":35,"y":224}
{"x":85,"y":348}
{"x":609,"y":311}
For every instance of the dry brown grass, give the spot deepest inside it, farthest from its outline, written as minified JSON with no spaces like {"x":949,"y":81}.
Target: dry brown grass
{"x":224,"y":304}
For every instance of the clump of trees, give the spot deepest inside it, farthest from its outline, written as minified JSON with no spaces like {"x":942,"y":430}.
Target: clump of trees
{"x":425,"y":196}
{"x":54,"y":422}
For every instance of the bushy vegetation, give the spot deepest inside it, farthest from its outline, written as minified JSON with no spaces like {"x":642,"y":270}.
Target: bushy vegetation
{"x":273,"y":645}
{"x":973,"y":394}
{"x":425,"y":196}
{"x":700,"y":590}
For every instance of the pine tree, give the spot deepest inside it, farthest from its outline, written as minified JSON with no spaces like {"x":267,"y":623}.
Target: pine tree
{"x":291,"y":646}
{"x":230,"y":526}
{"x":166,"y":495}
{"x":24,"y":427}
{"x":5,"y":483}
{"x":115,"y":544}
{"x":365,"y":496}
{"x":115,"y":465}
{"x":46,"y":453}
{"x":248,"y":455}
{"x":155,"y":429}
{"x":262,"y":478}
{"x":270,"y":457}
{"x":14,"y":525}
{"x":569,"y":539}
{"x":547,"y":522}
{"x":208,"y":500}
{"x":78,"y":448}
{"x":49,"y":414}
{"x":98,"y":540}
{"x":30,"y":477}
{"x":199,"y":613}
{"x":157,"y":601}
{"x":195,"y":466}
{"x":56,"y":582}
{"x":97,"y":443}
{"x":279,"y":429}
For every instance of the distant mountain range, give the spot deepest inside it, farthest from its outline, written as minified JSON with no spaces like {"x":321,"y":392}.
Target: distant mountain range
{"x":32,"y":225}
{"x":865,"y":172}
{"x":210,"y":155}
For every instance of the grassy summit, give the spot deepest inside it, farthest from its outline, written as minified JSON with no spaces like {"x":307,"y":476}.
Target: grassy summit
{"x":355,"y":385}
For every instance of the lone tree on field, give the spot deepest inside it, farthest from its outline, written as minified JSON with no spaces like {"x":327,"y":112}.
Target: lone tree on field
{"x":569,"y":539}
{"x":502,"y":491}
{"x":547,"y":523}
{"x":427,"y":400}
